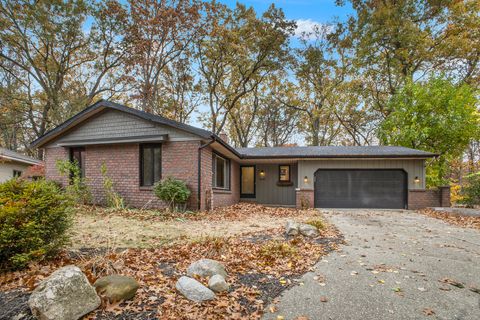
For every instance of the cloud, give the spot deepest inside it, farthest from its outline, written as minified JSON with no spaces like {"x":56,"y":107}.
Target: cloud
{"x":310,"y":29}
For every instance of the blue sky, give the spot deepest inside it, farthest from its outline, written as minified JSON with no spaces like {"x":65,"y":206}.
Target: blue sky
{"x":322,"y":11}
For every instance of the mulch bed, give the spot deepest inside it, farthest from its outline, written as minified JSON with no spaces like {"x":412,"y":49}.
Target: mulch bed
{"x":452,"y":218}
{"x":260,"y":266}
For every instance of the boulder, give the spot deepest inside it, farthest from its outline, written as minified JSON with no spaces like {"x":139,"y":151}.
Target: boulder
{"x":308,"y":230}
{"x":291,"y":229}
{"x":217,"y":283}
{"x":194,"y":290}
{"x":65,"y":295}
{"x":206,"y":268}
{"x":116,"y":287}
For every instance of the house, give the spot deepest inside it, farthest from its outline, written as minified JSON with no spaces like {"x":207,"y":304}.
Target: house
{"x":13,"y":164}
{"x":139,"y":149}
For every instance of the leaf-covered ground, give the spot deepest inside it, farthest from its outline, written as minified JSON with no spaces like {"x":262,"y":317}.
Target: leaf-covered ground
{"x":131,"y":228}
{"x":455,"y":219}
{"x":260,"y":266}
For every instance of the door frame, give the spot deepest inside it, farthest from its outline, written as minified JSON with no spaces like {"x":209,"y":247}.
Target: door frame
{"x":405,"y":180}
{"x":254,"y":194}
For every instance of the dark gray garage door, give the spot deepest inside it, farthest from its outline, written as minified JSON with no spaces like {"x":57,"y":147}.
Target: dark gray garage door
{"x":361,"y":189}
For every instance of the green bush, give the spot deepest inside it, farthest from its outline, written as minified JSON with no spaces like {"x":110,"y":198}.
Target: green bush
{"x":34,"y":219}
{"x":174,"y":192}
{"x":471,"y":191}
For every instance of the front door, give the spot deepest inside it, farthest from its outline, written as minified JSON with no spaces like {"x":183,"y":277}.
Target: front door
{"x":247,"y":181}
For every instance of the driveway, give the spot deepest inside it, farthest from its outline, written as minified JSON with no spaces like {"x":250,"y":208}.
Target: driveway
{"x":391,"y":268}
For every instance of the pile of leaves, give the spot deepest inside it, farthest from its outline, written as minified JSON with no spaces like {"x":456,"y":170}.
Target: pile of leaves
{"x":455,"y":219}
{"x":260,"y":266}
{"x":234,"y":212}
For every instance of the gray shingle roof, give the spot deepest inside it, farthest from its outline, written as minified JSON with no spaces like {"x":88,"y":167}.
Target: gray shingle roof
{"x":12,"y":155}
{"x":333,"y":152}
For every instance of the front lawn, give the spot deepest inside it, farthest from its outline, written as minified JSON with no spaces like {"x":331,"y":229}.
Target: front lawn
{"x":133,"y":228}
{"x":155,"y":248}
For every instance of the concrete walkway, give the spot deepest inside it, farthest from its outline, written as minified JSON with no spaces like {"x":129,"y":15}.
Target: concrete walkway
{"x":390,"y":269}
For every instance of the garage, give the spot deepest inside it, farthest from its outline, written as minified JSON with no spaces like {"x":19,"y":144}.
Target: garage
{"x":361,"y":188}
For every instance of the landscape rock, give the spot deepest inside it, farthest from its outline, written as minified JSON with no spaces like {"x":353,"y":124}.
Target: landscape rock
{"x":65,"y":295}
{"x":308,"y":230}
{"x":206,"y":268}
{"x":194,"y":290}
{"x":218,"y":284}
{"x":116,"y":287}
{"x":291,"y":229}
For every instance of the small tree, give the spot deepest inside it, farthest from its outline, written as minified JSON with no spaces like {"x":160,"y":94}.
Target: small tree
{"x":113,"y":199}
{"x":174,"y":192}
{"x":77,"y":187}
{"x":471,"y":191}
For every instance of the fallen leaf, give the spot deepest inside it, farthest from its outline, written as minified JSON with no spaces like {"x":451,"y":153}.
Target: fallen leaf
{"x":428,"y":312}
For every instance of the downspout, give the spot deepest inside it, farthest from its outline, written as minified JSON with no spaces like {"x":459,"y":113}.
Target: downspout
{"x":199,"y":192}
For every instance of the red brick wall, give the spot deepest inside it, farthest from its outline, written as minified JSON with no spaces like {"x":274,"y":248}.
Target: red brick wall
{"x":51,"y":156}
{"x":179,"y":160}
{"x":304,"y":198}
{"x":419,"y":199}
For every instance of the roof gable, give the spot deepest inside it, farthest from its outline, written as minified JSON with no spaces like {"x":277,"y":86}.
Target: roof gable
{"x":121,"y":121}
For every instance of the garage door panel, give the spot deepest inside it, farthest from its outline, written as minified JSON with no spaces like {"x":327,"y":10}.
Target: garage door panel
{"x":360,"y":188}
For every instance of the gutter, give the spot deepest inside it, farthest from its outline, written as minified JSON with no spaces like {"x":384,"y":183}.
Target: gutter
{"x":199,"y":170}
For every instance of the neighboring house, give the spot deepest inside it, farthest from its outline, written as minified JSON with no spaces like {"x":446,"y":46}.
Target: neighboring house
{"x":13,"y":164}
{"x":139,"y":149}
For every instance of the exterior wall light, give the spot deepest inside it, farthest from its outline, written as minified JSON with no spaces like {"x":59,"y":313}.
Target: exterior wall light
{"x":417,"y":179}
{"x":262,"y":174}
{"x":305,"y":179}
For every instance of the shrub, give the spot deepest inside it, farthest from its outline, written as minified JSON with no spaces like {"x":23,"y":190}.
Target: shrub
{"x":317,"y":223}
{"x":174,"y":192}
{"x":113,"y":199}
{"x":275,"y":249}
{"x":77,"y":188}
{"x":34,"y":219}
{"x":471,"y":191}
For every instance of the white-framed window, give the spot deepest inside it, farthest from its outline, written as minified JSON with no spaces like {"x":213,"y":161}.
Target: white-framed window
{"x":221,"y":172}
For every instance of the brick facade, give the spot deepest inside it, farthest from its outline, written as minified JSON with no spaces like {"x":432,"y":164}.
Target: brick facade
{"x":51,"y":156}
{"x":304,"y":198}
{"x":179,"y":160}
{"x":419,"y":199}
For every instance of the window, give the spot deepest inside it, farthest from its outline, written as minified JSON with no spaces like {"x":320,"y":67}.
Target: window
{"x":17,"y":173}
{"x":150,"y":164}
{"x":78,"y":155}
{"x":221,"y":172}
{"x":284,"y":173}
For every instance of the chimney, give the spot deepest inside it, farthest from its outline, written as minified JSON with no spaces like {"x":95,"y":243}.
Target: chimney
{"x":223,"y":136}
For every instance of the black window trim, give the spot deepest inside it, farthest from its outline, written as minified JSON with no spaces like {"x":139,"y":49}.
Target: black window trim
{"x":214,"y":169}
{"x":141,"y":148}
{"x":289,"y":173}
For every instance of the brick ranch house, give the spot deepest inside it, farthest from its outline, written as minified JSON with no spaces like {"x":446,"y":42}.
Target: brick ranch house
{"x":139,"y":149}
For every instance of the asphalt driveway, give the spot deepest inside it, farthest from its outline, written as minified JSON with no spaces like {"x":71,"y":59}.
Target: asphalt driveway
{"x":396,"y":265}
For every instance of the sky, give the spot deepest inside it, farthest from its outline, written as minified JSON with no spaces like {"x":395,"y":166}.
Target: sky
{"x":305,"y":12}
